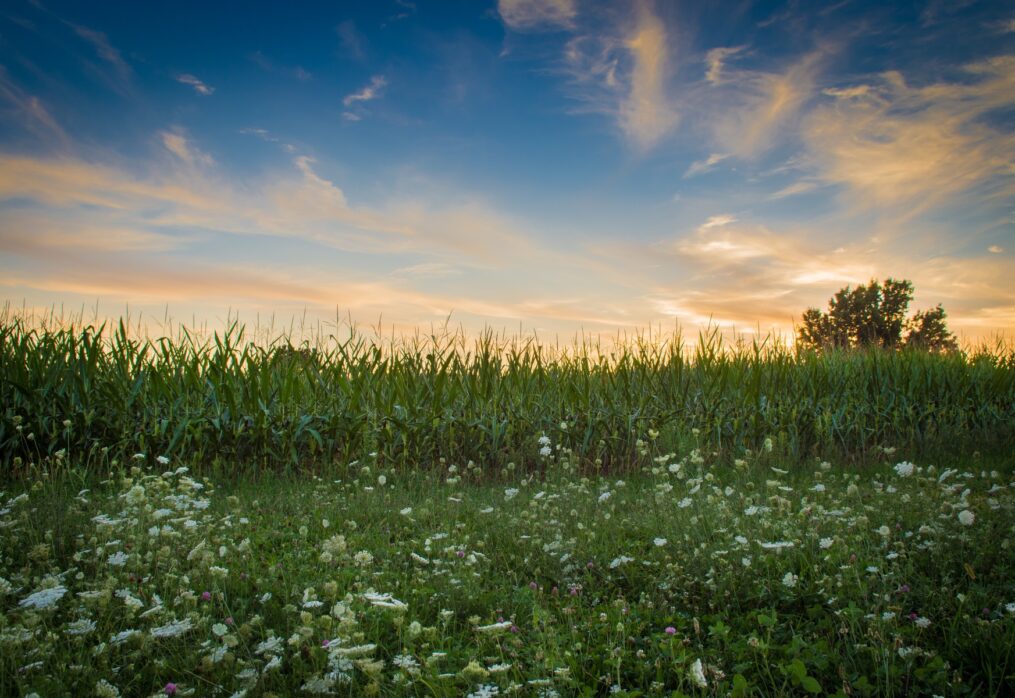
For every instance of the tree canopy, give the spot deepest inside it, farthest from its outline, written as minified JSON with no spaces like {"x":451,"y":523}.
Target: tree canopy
{"x":875,"y":315}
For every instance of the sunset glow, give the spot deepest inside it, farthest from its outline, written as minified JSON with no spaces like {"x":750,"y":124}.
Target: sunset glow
{"x":544,"y":165}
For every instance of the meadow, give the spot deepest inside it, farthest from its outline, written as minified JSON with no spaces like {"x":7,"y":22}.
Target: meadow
{"x":433,"y":516}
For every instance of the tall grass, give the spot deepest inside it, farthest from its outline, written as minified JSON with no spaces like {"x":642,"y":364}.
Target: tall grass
{"x":98,"y":393}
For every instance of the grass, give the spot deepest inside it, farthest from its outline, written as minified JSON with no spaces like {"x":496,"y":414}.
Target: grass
{"x":102,"y":394}
{"x":686,"y":577}
{"x":432,"y":516}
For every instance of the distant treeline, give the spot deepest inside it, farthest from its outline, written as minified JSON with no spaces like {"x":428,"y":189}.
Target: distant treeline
{"x":88,"y":395}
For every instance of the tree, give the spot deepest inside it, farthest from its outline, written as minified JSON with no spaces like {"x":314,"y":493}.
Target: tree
{"x":927,"y":330}
{"x":875,"y":315}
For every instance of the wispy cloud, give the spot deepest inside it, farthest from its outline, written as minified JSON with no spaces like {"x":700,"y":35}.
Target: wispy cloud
{"x":29,"y":112}
{"x":995,"y":249}
{"x":352,"y":40}
{"x":530,"y":15}
{"x":176,"y":142}
{"x":268,"y":137}
{"x":626,"y":76}
{"x":757,"y":109}
{"x":199,"y":86}
{"x":431,"y":270}
{"x":705,"y":165}
{"x":122,"y":72}
{"x":648,"y":113}
{"x":718,"y":221}
{"x":715,"y":61}
{"x":892,"y":144}
{"x":801,"y":187}
{"x":367,"y":93}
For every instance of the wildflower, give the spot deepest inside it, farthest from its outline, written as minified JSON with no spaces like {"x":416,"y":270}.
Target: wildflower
{"x":82,"y":626}
{"x":173,"y":629}
{"x":122,"y":637}
{"x":162,"y":460}
{"x":355,"y":650}
{"x":789,"y":580}
{"x":604,"y":496}
{"x":776,"y":545}
{"x":698,"y":674}
{"x":382,"y":480}
{"x":826,"y":543}
{"x":363,"y":558}
{"x":404,"y":661}
{"x":670,"y":630}
{"x":104,"y":689}
{"x":510,"y":493}
{"x":384,"y":600}
{"x":135,"y":495}
{"x":544,"y":440}
{"x":922,"y":622}
{"x":118,"y":559}
{"x":966,"y":517}
{"x":659,"y":542}
{"x":487,"y":690}
{"x":904,"y":469}
{"x":545,"y":451}
{"x":169,"y":689}
{"x":44,"y":598}
{"x":406,"y":511}
{"x":493,"y":628}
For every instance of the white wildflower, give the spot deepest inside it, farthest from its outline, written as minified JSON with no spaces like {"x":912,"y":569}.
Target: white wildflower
{"x":494,"y":628}
{"x":135,"y":495}
{"x":698,"y":674}
{"x":104,"y":689}
{"x":44,"y":598}
{"x":904,"y":469}
{"x":82,"y":626}
{"x":173,"y":629}
{"x":123,"y":636}
{"x":966,"y":517}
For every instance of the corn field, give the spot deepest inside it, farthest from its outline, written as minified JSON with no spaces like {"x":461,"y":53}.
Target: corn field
{"x":93,"y":394}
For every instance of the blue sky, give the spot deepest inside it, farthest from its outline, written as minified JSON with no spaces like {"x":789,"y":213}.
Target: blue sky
{"x":553,"y":165}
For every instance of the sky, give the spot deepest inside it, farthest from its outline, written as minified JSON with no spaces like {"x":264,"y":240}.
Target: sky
{"x":548,"y":166}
